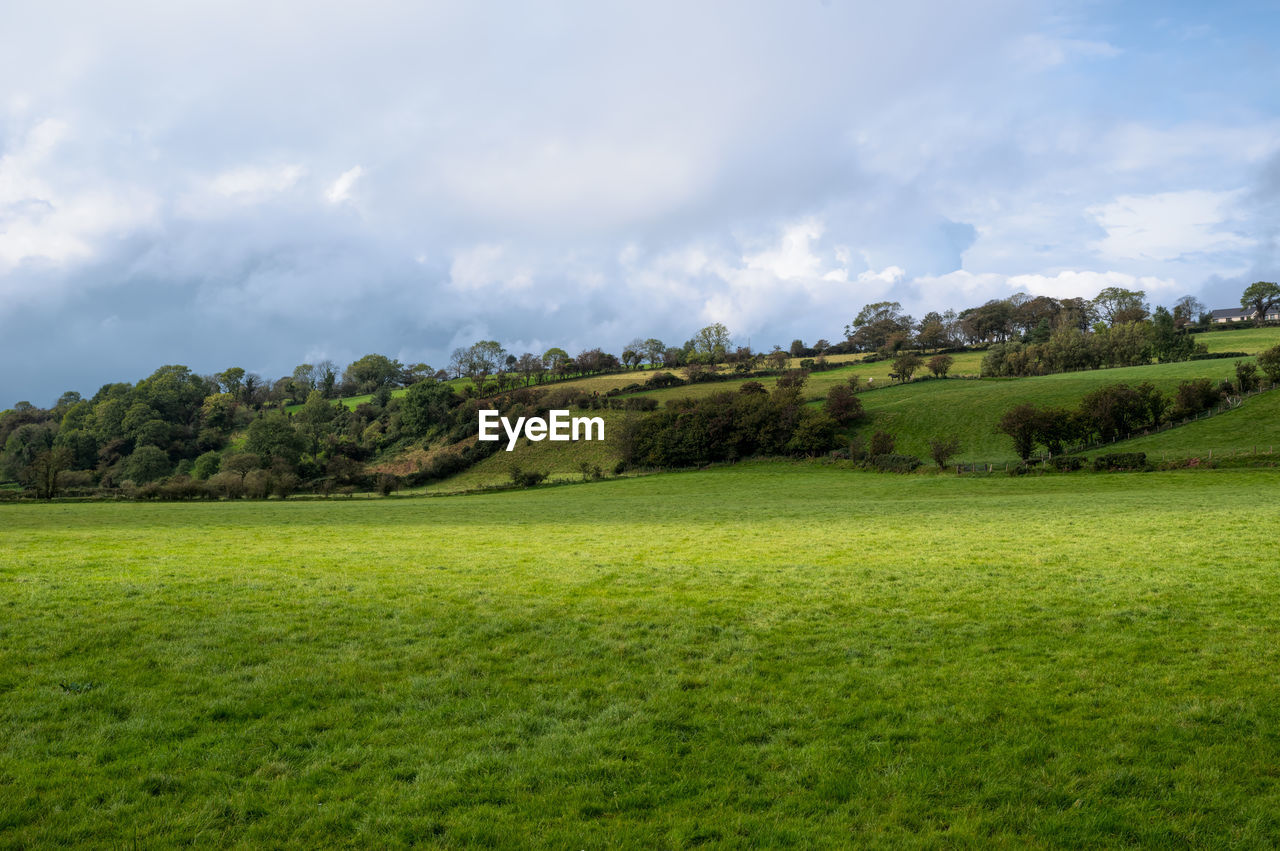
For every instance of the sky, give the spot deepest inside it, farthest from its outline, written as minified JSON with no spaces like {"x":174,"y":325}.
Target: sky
{"x":265,"y":184}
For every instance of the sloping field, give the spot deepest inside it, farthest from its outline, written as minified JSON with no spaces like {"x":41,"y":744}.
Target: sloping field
{"x":916,"y":412}
{"x":767,"y":655}
{"x":562,"y":460}
{"x":1251,"y":340}
{"x":1253,"y":427}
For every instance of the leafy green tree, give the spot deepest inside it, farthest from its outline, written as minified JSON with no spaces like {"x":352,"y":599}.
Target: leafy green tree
{"x":555,"y":359}
{"x":231,"y":380}
{"x":206,"y":465}
{"x":943,"y":449}
{"x":842,"y":405}
{"x":1117,"y":304}
{"x":146,"y":464}
{"x":42,"y":472}
{"x":273,"y":436}
{"x":1246,"y":376}
{"x":1269,"y":363}
{"x":426,"y":405}
{"x":712,"y":342}
{"x":1021,"y":423}
{"x":874,"y":324}
{"x":654,"y":350}
{"x":371,"y":372}
{"x":1261,"y":296}
{"x":906,"y":364}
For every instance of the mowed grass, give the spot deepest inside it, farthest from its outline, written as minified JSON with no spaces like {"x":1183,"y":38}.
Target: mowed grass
{"x":765,"y":655}
{"x":970,"y":410}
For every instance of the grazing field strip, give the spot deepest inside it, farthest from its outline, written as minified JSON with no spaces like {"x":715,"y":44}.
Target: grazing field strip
{"x":770,"y":654}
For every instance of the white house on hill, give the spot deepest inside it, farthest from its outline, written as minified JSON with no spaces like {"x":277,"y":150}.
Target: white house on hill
{"x":1241,"y":314}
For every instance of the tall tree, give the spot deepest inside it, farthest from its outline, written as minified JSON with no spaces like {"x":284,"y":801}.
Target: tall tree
{"x":1116,"y":305}
{"x":1261,"y":296}
{"x":1187,"y":310}
{"x":712,"y":341}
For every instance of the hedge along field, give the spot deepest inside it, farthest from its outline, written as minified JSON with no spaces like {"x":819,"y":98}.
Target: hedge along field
{"x":969,"y":410}
{"x":769,"y":654}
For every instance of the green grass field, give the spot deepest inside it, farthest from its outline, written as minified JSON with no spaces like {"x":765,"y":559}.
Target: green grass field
{"x":1251,"y":340}
{"x":766,"y":655}
{"x":1253,"y":427}
{"x":916,"y":412}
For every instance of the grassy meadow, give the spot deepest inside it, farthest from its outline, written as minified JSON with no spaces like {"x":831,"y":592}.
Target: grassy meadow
{"x":771,"y":654}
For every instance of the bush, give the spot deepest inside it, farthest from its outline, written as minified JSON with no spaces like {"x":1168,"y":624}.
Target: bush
{"x":526,"y":478}
{"x":1066,"y":463}
{"x":892,"y":463}
{"x":882,"y":443}
{"x":1120,"y":461}
{"x":664,"y":379}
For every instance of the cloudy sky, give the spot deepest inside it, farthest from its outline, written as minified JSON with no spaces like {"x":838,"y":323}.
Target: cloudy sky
{"x":263,"y":184}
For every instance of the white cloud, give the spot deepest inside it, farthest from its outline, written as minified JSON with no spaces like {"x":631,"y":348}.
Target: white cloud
{"x":341,"y":188}
{"x":1167,"y":225}
{"x":251,"y":184}
{"x":52,"y":217}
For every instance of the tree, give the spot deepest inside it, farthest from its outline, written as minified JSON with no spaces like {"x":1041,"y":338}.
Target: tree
{"x":482,"y":360}
{"x":842,"y":405}
{"x":1269,"y":363}
{"x":555,"y":359}
{"x":372,"y":372}
{"x":1261,"y":296}
{"x":43,"y":471}
{"x":1246,"y":376}
{"x":273,"y":436}
{"x":231,"y":380}
{"x":943,"y":449}
{"x":146,"y":464}
{"x":1116,"y":304}
{"x":712,"y":341}
{"x":874,"y":324}
{"x":906,"y":364}
{"x":797,"y":349}
{"x":530,"y":366}
{"x":1020,"y":423}
{"x":933,"y":332}
{"x":425,"y":405}
{"x":1187,"y":310}
{"x":654,"y":350}
{"x":940,"y":365}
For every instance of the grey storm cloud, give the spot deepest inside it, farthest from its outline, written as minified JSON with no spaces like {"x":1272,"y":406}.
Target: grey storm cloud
{"x":262,"y":184}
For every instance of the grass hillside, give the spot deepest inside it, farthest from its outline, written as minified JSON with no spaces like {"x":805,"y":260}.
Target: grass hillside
{"x":563,"y":461}
{"x":1251,"y":340}
{"x":969,"y":410}
{"x":759,"y":656}
{"x":1254,"y":425}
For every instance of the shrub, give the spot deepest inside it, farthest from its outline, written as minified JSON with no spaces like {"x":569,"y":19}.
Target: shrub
{"x":1120,"y":461}
{"x":882,"y":443}
{"x":1066,"y":463}
{"x":942,"y":449}
{"x":387,"y":483}
{"x":526,"y":478}
{"x":892,"y":463}
{"x":1246,"y":376}
{"x":843,"y":406}
{"x":664,"y":379}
